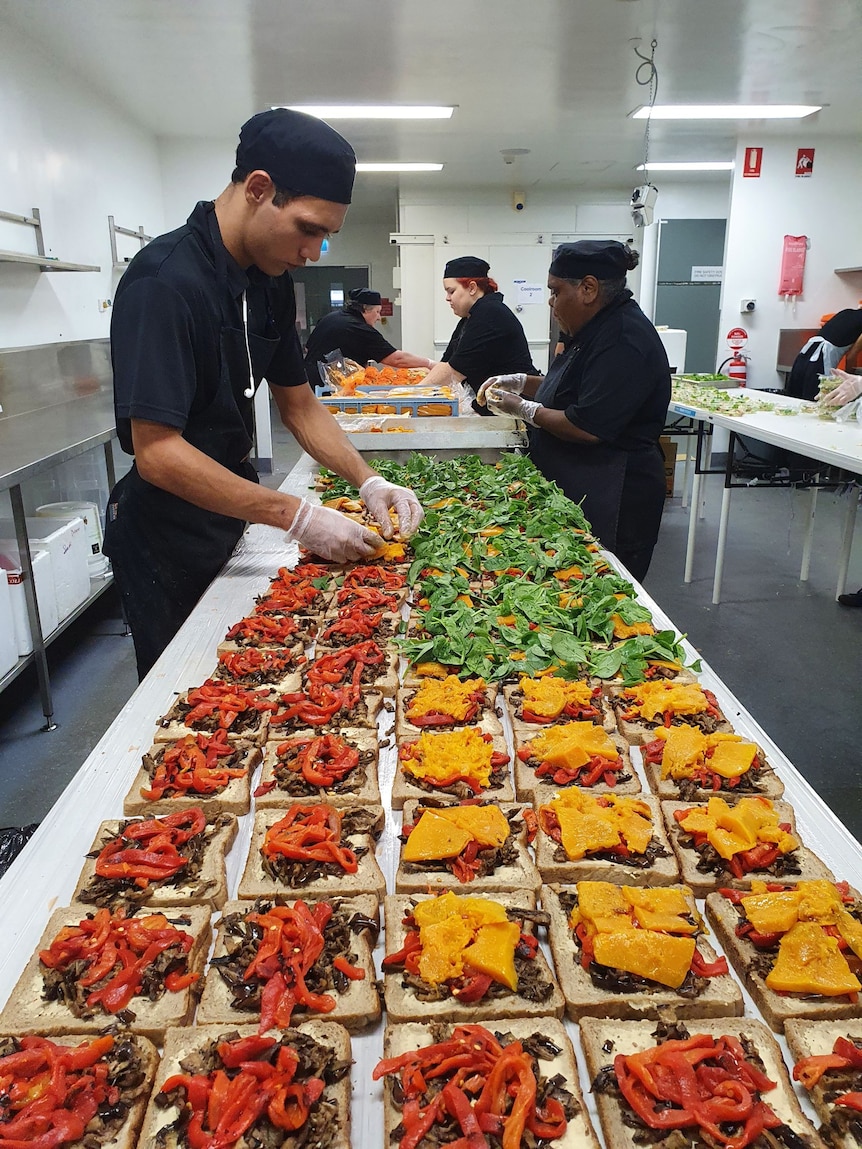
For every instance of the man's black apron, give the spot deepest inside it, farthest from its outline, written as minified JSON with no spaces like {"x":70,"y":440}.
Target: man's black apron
{"x":164,"y":550}
{"x":621,"y":492}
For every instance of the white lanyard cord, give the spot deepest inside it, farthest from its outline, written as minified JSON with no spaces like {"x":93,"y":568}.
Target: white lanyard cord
{"x":249,"y":391}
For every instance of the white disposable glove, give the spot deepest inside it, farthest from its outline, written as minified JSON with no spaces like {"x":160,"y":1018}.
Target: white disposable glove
{"x":849,"y":390}
{"x":379,"y":495}
{"x":505,"y":403}
{"x":514,"y":384}
{"x":330,"y":534}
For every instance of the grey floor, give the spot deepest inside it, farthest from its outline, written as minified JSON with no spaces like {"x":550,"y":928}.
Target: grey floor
{"x":786,"y":648}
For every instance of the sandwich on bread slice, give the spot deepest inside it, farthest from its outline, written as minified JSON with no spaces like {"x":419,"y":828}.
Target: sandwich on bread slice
{"x":77,"y":1090}
{"x":683,"y":763}
{"x":227,"y":1085}
{"x":534,"y":703}
{"x":276,"y":629}
{"x":326,"y":708}
{"x":719,"y":1081}
{"x":338,"y":767}
{"x":444,"y":704}
{"x":217,"y":705}
{"x":315,"y":850}
{"x":354,"y":622}
{"x":626,"y":951}
{"x":257,"y":667}
{"x":428,"y":1064}
{"x":465,"y":762}
{"x":143,"y":971}
{"x":278,"y":962}
{"x":604,"y":837}
{"x":366,"y":665}
{"x":641,"y":709}
{"x":165,"y":862}
{"x":205,"y":770}
{"x":828,"y":1065}
{"x":472,"y":846}
{"x":718,"y":844}
{"x":455,"y":957}
{"x":577,"y":754}
{"x":798,"y":947}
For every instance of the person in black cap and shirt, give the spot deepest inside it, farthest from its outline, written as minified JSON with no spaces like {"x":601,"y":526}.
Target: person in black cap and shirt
{"x":595,"y":420}
{"x":200,"y":317}
{"x":841,"y":335}
{"x":351,"y":330}
{"x":489,"y":339}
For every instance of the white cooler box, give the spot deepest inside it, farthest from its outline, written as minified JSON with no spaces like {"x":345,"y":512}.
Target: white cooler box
{"x":69,"y":549}
{"x":89,"y":512}
{"x":8,"y":638}
{"x":43,"y":578}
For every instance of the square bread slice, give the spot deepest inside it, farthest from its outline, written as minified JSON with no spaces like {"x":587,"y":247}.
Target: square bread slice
{"x":364,"y":713}
{"x":843,"y":1125}
{"x":761,"y":780}
{"x":400,"y":1039}
{"x":555,"y":866}
{"x":531,"y":788}
{"x":272,"y":629}
{"x":249,"y":724}
{"x":131,"y":1065}
{"x":753,"y":965}
{"x":406,"y":731}
{"x":207,"y":885}
{"x":372,"y":598}
{"x":639,"y":731}
{"x":331,"y":1111}
{"x":404,"y":1002}
{"x":234,"y":798}
{"x":28,"y":1011}
{"x":368,"y":878}
{"x":720,"y":997}
{"x":336,"y":631}
{"x":280,"y":786}
{"x":604,"y":1039}
{"x":406,"y":786}
{"x":514,"y":701}
{"x":703,"y":883}
{"x":380,"y":677}
{"x":517,"y":873}
{"x":357,"y":1002}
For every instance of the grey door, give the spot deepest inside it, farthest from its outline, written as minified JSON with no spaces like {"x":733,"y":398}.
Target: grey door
{"x":682,"y":301}
{"x":325,"y":289}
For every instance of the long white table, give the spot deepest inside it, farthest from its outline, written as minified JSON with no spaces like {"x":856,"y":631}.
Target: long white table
{"x":45,"y":873}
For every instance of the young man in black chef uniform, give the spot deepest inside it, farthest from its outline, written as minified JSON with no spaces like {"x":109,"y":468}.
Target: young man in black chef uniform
{"x":595,"y":423}
{"x":201,"y":316}
{"x":351,"y":331}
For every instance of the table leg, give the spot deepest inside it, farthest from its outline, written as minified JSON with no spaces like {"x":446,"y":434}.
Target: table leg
{"x":809,"y":536}
{"x":707,"y":463}
{"x":686,"y":475}
{"x":692,"y":526}
{"x":847,"y":539}
{"x":36,"y":636}
{"x":722,"y":540}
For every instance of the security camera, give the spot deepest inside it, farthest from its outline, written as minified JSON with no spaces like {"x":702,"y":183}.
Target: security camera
{"x":747,"y":305}
{"x":643,"y":201}
{"x":519,"y":201}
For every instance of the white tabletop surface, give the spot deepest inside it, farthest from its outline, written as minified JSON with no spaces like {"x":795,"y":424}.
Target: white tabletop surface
{"x":45,"y":873}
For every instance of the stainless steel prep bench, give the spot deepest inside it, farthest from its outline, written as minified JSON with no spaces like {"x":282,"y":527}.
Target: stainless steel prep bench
{"x":44,"y":875}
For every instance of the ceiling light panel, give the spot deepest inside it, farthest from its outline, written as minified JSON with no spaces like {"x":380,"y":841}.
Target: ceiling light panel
{"x":373,"y":111}
{"x":397,"y":167}
{"x":694,"y":166}
{"x":725,"y":111}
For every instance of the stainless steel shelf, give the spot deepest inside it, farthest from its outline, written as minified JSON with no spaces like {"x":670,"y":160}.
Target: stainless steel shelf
{"x":848,"y":270}
{"x":29,"y":443}
{"x":44,"y":263}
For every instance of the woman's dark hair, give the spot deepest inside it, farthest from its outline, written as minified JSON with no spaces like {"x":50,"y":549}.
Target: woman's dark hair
{"x":483,"y":282}
{"x":282,"y":195}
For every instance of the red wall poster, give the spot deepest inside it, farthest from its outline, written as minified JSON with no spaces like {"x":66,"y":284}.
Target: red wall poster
{"x":752,"y":162}
{"x":804,"y":162}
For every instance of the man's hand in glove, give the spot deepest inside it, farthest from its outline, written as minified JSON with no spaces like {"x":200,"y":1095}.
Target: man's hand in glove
{"x":849,"y":390}
{"x":330,"y":534}
{"x":514,"y":384}
{"x":379,"y":496}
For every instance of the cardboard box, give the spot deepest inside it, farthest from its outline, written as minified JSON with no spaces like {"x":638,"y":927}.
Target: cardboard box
{"x":668,"y":449}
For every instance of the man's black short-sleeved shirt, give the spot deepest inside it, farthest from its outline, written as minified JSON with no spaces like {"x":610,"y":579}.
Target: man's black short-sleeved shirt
{"x":347,"y":332}
{"x":489,"y":341}
{"x":615,"y":380}
{"x":175,"y":300}
{"x":844,"y":328}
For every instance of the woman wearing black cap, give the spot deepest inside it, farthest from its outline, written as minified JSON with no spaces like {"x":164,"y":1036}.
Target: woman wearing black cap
{"x":351,"y":330}
{"x":489,"y":339}
{"x":595,"y":420}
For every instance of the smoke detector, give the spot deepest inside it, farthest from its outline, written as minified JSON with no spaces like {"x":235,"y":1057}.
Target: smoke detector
{"x":510,"y":154}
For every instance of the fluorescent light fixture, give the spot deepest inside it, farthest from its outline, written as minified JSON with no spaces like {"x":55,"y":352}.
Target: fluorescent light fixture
{"x":699,"y":166}
{"x":725,"y":111}
{"x":397,"y":167}
{"x":372,"y":111}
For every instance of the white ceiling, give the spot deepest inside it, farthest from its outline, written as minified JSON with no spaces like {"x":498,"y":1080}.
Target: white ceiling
{"x":554,"y":76}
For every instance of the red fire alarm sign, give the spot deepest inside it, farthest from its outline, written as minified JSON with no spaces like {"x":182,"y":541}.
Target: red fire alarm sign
{"x":804,"y":161}
{"x":386,"y":306}
{"x":751,"y":164}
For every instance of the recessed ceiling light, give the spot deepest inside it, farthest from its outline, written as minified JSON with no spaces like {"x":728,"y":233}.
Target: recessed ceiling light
{"x":725,"y":111}
{"x":699,"y":166}
{"x":373,"y":111}
{"x":396,"y":167}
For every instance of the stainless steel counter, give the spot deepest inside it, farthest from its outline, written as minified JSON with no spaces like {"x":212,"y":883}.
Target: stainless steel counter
{"x":31,"y":442}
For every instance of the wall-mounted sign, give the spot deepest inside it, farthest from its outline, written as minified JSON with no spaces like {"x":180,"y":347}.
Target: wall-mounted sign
{"x":709,"y":273}
{"x":751,"y":163}
{"x":385,"y":306}
{"x":804,"y":162}
{"x":736,"y":338}
{"x":528,"y":293}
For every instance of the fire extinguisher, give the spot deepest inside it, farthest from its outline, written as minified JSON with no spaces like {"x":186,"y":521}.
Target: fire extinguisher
{"x":736,"y":368}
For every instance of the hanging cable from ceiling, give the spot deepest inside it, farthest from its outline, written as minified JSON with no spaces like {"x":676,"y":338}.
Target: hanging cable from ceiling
{"x":644,"y":197}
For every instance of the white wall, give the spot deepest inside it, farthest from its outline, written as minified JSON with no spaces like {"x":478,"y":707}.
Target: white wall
{"x":824,"y":207}
{"x":64,"y":150}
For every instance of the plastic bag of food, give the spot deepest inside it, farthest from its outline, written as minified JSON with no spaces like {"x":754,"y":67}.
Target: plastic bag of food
{"x":851,"y":410}
{"x":13,"y":839}
{"x":341,"y":376}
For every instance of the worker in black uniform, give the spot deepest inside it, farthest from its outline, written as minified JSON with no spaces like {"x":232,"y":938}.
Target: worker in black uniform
{"x":489,"y":338}
{"x":596,"y":418}
{"x":841,"y":335}
{"x":200,"y":317}
{"x":352,"y":331}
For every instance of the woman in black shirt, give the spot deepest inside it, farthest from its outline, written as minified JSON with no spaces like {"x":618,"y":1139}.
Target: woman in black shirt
{"x":597,"y":416}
